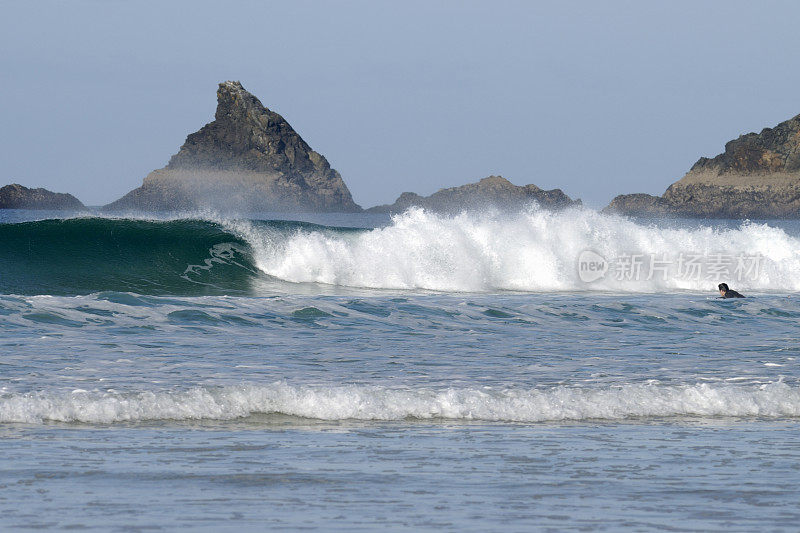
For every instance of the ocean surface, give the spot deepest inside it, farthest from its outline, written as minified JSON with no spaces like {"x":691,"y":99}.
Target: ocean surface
{"x":480,"y":372}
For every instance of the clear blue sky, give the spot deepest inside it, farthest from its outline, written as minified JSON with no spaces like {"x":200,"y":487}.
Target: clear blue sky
{"x":597,"y":98}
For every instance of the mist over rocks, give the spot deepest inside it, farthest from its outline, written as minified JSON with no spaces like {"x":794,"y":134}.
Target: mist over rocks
{"x":757,"y":176}
{"x":494,"y":191}
{"x":248,"y":159}
{"x":16,"y":196}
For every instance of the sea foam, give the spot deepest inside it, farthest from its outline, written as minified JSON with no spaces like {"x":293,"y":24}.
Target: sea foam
{"x":353,"y":402}
{"x":533,"y":250}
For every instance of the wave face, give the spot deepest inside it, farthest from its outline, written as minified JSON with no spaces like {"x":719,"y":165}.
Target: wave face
{"x":86,"y":255}
{"x":775,"y":400}
{"x":530,"y":251}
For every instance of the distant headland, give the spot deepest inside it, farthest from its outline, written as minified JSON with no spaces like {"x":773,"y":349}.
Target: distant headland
{"x":757,"y":176}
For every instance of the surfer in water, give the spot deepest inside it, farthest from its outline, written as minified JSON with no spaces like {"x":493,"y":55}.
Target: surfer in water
{"x":725,"y":292}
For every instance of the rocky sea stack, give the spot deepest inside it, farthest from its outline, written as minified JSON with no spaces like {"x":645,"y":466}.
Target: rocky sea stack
{"x":757,"y":176}
{"x":16,"y":196}
{"x":494,"y":191}
{"x":248,"y":159}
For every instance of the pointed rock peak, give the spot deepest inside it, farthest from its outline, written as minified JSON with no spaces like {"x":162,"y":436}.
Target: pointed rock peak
{"x":232,"y":92}
{"x":235,"y":102}
{"x":248,"y":159}
{"x":231,"y":85}
{"x":245,"y":135}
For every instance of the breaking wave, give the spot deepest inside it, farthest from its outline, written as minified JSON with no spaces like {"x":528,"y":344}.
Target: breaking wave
{"x":775,"y":400}
{"x":528,"y":251}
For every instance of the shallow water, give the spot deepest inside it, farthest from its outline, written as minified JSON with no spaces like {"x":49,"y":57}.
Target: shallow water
{"x":336,"y":406}
{"x":684,"y":474}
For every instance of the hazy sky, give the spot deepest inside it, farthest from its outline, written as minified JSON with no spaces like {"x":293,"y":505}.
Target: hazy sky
{"x":597,"y":98}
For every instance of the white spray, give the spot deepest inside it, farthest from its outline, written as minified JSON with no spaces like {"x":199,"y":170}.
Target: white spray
{"x":533,"y":250}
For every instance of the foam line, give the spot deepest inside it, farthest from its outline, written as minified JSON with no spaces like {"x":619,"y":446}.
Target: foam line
{"x":382,"y":403}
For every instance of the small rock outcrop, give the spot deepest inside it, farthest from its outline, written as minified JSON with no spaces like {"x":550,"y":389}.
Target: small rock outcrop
{"x":16,"y":196}
{"x":248,"y":159}
{"x":639,"y":204}
{"x":494,"y":191}
{"x":757,"y":176}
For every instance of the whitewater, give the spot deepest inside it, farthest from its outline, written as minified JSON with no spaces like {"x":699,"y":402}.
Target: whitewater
{"x":534,"y":250}
{"x":550,"y":370}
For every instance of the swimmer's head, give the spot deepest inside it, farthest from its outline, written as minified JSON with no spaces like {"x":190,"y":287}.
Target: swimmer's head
{"x":723,"y":288}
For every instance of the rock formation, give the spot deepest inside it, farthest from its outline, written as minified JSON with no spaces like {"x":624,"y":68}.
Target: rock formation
{"x":16,"y":196}
{"x":757,"y":176}
{"x":639,"y":204}
{"x":248,"y":159}
{"x":494,"y":191}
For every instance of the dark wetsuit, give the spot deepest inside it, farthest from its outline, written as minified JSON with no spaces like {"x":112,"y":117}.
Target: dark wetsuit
{"x":730,"y":293}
